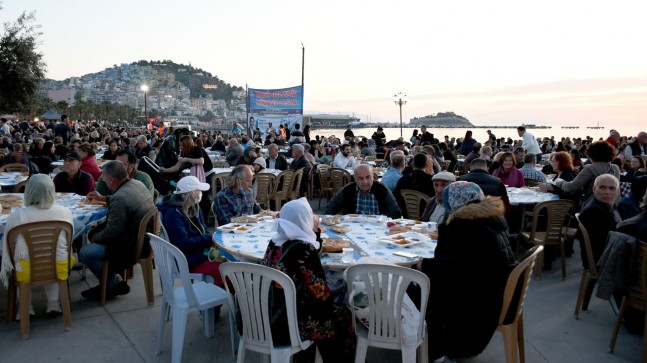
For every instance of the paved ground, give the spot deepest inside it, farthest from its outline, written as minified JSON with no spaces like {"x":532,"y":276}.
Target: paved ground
{"x":125,"y":329}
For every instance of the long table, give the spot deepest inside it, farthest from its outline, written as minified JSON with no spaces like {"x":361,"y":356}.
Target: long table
{"x":84,"y":215}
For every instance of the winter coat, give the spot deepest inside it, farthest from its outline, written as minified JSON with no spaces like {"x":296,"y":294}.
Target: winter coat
{"x":468,"y":275}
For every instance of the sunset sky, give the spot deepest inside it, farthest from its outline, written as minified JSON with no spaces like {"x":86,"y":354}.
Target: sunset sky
{"x":505,"y":62}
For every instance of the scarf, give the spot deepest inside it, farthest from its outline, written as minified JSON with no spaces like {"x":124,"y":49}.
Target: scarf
{"x":295,"y":223}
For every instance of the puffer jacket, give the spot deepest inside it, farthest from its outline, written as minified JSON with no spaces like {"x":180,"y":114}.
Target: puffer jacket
{"x":468,"y":275}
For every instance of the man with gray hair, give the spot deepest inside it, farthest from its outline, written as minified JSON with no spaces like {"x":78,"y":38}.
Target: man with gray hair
{"x":364,"y":196}
{"x":234,"y":152}
{"x":116,"y":239}
{"x":529,"y":171}
{"x":300,"y":161}
{"x":638,"y":147}
{"x":144,"y":148}
{"x":237,"y":197}
{"x":276,"y":160}
{"x":394,"y":172}
{"x":600,"y":216}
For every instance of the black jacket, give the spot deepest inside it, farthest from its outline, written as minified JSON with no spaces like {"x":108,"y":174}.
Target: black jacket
{"x":281,"y":162}
{"x":598,"y":219}
{"x":468,"y":274}
{"x":419,"y":181}
{"x":299,"y":163}
{"x":345,"y":201}
{"x":490,"y":185}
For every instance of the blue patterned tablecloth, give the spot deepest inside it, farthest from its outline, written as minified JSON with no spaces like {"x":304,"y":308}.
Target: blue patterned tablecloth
{"x":11,"y":178}
{"x":84,"y":215}
{"x":364,"y":237}
{"x":529,"y":196}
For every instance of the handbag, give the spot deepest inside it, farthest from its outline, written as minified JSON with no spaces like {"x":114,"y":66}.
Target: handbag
{"x":198,"y":171}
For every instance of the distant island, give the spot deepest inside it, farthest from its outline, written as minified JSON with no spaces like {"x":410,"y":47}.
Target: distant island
{"x":441,"y":119}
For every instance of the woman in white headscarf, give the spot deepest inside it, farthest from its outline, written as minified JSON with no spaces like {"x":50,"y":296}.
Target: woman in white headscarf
{"x":39,"y":206}
{"x":293,"y":250}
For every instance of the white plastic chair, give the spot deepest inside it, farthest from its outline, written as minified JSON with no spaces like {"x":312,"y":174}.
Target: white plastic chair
{"x":190,"y":297}
{"x":252,"y":284}
{"x":385,"y":287}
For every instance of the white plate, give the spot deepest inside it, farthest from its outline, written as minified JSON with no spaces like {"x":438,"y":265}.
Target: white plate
{"x":414,"y":238}
{"x":238,"y":227}
{"x":362,"y":218}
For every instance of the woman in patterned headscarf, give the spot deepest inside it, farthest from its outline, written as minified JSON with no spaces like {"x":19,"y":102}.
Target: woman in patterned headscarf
{"x":468,"y":273}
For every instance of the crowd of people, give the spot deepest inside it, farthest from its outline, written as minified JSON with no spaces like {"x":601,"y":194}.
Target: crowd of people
{"x":465,"y":181}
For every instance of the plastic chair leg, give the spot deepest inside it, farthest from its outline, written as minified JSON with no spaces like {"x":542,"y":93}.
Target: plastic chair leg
{"x":65,"y":302}
{"x":423,"y":350}
{"x":147,"y":273}
{"x":179,"y":327}
{"x":208,"y":325}
{"x":160,"y":329}
{"x":520,"y":340}
{"x":580,"y":295}
{"x":563,"y":253}
{"x":241,"y":351}
{"x":11,"y":300}
{"x":590,"y":284}
{"x":233,"y":334}
{"x":25,"y":301}
{"x":104,"y":282}
{"x":360,"y":350}
{"x":510,"y":342}
{"x":408,"y":354}
{"x":616,"y":328}
{"x":280,"y":355}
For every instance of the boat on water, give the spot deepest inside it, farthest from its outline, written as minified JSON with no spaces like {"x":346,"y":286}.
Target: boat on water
{"x":595,"y":127}
{"x":570,"y":127}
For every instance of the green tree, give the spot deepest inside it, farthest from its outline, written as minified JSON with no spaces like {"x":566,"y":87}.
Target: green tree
{"x":22,"y":68}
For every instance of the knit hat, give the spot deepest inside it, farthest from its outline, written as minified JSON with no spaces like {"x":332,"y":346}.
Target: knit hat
{"x":460,"y":194}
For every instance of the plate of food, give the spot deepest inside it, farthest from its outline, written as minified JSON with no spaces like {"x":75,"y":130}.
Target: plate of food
{"x":238,"y":227}
{"x":361,"y":218}
{"x":334,"y":245}
{"x":339,"y":229}
{"x":331,"y":221}
{"x":85,"y":201}
{"x":268,"y":213}
{"x":406,"y":239}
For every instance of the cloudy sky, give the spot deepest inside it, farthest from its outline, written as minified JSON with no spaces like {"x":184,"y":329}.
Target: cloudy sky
{"x":549,"y":62}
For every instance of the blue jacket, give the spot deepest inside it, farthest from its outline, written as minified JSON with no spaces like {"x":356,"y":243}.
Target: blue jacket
{"x":184,"y":234}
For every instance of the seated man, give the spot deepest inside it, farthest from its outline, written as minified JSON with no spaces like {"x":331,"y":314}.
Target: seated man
{"x":276,"y":160}
{"x":435,"y":211}
{"x":364,"y":196}
{"x":300,"y":161}
{"x":344,"y":159}
{"x":394,"y":172}
{"x":529,"y":171}
{"x":234,"y":152}
{"x":417,"y":180}
{"x":599,"y":215}
{"x":72,"y":179}
{"x":237,"y":197}
{"x":489,"y":184}
{"x":102,"y":192}
{"x":116,"y":239}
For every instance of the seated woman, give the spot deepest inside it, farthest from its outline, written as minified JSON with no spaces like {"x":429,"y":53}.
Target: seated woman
{"x":111,"y":153}
{"x":89,"y":162}
{"x":562,"y":164}
{"x":467,"y":274}
{"x":293,"y":250}
{"x":39,"y":202}
{"x":508,"y":173}
{"x":185,"y":226}
{"x":637,"y":167}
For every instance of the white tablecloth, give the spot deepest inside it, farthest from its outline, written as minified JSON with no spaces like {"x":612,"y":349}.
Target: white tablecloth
{"x":528,"y":196}
{"x":84,"y":215}
{"x":11,"y":178}
{"x":251,"y":246}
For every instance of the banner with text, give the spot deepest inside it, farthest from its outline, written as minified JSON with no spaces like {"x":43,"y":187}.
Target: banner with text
{"x":277,"y":106}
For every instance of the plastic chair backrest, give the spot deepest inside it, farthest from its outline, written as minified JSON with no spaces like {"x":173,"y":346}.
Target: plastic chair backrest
{"x":282,"y":184}
{"x":41,"y":239}
{"x":339,"y":178}
{"x":149,"y":223}
{"x":252,"y":283}
{"x":20,"y":187}
{"x":295,"y":183}
{"x":264,"y":187}
{"x":385,"y":287}
{"x":412,"y":201}
{"x":556,"y":213}
{"x":522,"y":272}
{"x":220,"y":164}
{"x":586,"y":242}
{"x":17,"y":167}
{"x":171,"y":264}
{"x":324,"y":176}
{"x":217,"y":183}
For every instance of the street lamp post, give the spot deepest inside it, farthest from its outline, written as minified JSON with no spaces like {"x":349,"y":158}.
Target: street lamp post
{"x":145,"y":89}
{"x":400,"y":100}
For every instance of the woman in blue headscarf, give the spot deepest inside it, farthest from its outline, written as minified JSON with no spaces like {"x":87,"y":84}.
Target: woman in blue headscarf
{"x":472,"y":262}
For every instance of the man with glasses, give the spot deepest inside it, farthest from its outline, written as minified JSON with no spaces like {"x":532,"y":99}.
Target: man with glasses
{"x":237,"y":198}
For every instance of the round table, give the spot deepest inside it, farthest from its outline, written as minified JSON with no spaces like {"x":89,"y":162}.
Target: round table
{"x":525,"y":195}
{"x":363,"y":236}
{"x":84,"y":215}
{"x":9,"y":179}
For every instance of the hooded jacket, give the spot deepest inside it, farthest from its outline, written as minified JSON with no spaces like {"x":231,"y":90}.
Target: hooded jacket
{"x":468,"y":274}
